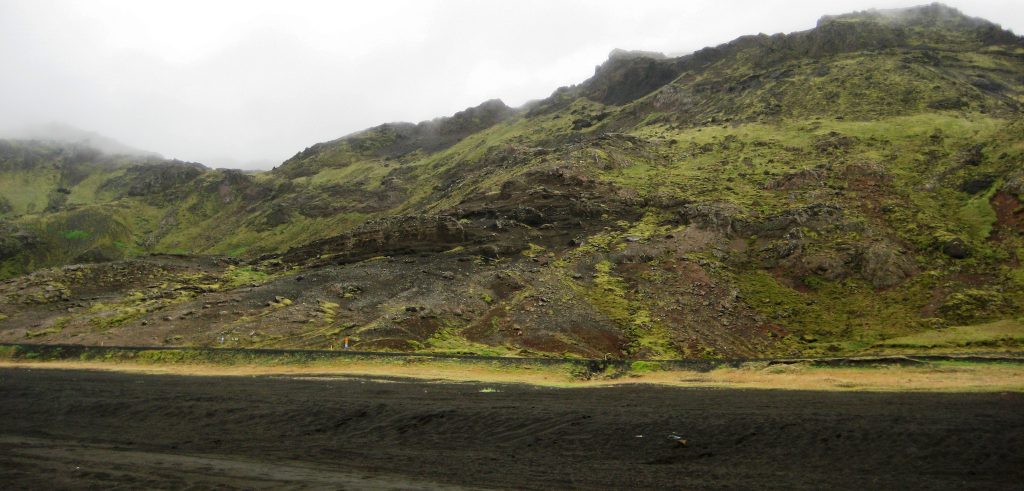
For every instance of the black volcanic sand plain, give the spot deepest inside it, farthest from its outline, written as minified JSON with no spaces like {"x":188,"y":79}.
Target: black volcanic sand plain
{"x":77,"y":429}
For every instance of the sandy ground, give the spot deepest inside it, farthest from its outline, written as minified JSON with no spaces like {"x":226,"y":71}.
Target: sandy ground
{"x":95,"y":429}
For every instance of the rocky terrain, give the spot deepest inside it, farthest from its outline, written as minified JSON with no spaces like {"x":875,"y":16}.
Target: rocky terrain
{"x":818,"y":192}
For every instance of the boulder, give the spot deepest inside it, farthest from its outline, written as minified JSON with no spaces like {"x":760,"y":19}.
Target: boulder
{"x":1015,"y":184}
{"x":14,"y":240}
{"x":885,"y":266}
{"x":955,"y":247}
{"x":977,"y":184}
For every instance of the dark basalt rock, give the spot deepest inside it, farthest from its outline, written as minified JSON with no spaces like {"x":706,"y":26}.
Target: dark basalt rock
{"x":408,"y":234}
{"x":955,"y":248}
{"x":629,"y":75}
{"x":972,"y":156}
{"x":977,"y":184}
{"x":154,"y":179}
{"x":14,"y":240}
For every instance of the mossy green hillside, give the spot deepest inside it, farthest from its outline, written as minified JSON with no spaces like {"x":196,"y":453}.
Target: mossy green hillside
{"x":812,"y":193}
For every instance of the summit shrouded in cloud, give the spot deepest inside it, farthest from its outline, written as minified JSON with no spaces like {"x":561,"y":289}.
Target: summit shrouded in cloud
{"x":244,"y":84}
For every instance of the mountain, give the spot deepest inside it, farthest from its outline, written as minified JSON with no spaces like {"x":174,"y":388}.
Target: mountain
{"x":67,"y":134}
{"x":828,"y":191}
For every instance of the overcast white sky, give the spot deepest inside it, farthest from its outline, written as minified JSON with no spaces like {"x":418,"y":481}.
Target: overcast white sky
{"x":249,"y":83}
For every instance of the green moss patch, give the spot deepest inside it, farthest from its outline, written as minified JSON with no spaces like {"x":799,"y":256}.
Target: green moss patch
{"x":1000,"y":333}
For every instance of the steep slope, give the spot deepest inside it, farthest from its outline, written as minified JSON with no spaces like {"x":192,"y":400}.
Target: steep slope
{"x":57,"y":203}
{"x":816,"y":192}
{"x":115,"y":206}
{"x":69,"y":203}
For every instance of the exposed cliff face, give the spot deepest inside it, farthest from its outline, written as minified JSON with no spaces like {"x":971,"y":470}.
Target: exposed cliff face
{"x":398,"y":235}
{"x":627,"y":76}
{"x":808,"y":193}
{"x":153,"y":180}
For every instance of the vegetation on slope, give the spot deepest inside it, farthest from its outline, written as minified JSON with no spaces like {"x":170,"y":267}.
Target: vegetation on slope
{"x":813,"y":193}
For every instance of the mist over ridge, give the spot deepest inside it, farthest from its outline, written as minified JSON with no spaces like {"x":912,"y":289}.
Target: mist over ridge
{"x":246,"y":87}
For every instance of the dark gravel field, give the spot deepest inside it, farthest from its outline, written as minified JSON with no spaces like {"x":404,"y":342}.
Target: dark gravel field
{"x":84,"y":429}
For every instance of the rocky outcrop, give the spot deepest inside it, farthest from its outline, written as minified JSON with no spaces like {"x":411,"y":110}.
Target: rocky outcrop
{"x":14,"y":240}
{"x":954,"y":247}
{"x":629,"y":75}
{"x":1015,"y":184}
{"x":154,"y":179}
{"x":718,"y":217}
{"x":797,"y":180}
{"x":880,"y":263}
{"x":884,"y":265}
{"x":388,"y":236}
{"x":235,"y":185}
{"x":731,"y":220}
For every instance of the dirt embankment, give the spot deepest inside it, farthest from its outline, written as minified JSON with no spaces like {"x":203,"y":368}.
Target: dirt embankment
{"x":82,"y":428}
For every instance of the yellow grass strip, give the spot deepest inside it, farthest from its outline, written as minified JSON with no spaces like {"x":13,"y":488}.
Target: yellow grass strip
{"x":936,"y":377}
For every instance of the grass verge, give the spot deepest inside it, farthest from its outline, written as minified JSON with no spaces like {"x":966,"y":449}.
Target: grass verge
{"x":1003,"y":333}
{"x":936,"y":376}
